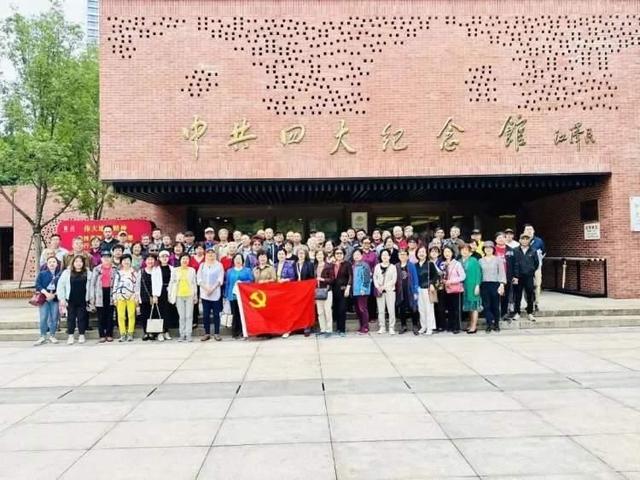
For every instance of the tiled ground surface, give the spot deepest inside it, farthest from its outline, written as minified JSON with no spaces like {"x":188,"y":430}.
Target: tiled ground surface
{"x":544,"y":404}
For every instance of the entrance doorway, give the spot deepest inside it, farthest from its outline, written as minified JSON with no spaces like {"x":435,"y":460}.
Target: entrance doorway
{"x":6,"y":253}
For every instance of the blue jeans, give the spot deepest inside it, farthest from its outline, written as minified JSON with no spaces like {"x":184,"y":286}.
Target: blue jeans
{"x":49,"y":314}
{"x":209,"y":306}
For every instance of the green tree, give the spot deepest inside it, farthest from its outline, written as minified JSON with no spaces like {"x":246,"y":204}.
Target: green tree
{"x":49,"y":114}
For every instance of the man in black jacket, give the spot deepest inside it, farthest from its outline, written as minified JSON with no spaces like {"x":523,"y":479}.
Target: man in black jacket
{"x":525,"y":264}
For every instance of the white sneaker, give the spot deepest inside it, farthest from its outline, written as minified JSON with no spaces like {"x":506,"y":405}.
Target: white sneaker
{"x":160,"y":337}
{"x":40,"y":341}
{"x":167,"y":336}
{"x":70,"y":340}
{"x":532,"y":318}
{"x":382,"y":330}
{"x":516,"y":316}
{"x":53,"y":339}
{"x":392,"y":331}
{"x":286,"y":335}
{"x":422,"y":331}
{"x":429,"y":332}
{"x":81,"y":339}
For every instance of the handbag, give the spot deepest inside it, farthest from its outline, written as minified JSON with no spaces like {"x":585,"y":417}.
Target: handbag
{"x":456,"y":287}
{"x":155,"y":325}
{"x":322,"y":293}
{"x":433,"y":296}
{"x":37,"y":299}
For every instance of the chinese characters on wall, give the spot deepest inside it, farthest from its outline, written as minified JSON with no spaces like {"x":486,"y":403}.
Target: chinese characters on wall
{"x":512,"y":135}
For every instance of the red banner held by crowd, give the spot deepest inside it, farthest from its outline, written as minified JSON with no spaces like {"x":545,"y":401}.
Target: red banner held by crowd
{"x":276,"y":308}
{"x":69,"y":229}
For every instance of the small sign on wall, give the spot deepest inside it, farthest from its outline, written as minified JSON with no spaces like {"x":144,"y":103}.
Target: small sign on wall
{"x":634,"y":210}
{"x":592,"y":231}
{"x":359,"y":220}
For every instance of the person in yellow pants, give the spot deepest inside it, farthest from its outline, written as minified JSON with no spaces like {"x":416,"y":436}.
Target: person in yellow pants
{"x":126,"y":294}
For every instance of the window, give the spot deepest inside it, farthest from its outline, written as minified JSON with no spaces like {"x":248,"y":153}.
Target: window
{"x":589,"y":211}
{"x":327,"y":225}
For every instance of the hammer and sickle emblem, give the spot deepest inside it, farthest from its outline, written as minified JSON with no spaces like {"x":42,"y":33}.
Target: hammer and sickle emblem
{"x":258,"y":299}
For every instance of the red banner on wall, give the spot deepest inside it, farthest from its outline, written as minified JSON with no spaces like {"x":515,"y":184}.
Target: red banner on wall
{"x":69,"y":229}
{"x":276,"y":308}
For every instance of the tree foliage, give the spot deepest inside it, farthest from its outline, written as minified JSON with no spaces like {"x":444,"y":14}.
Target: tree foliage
{"x":49,"y":113}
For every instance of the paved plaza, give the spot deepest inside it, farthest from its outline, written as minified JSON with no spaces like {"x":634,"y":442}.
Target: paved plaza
{"x":523,"y":404}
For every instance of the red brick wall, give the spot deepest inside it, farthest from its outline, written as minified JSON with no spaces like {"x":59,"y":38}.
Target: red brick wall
{"x":413,"y":64}
{"x":170,"y":220}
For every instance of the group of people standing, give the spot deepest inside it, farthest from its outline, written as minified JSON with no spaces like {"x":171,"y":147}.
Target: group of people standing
{"x":384,"y":276}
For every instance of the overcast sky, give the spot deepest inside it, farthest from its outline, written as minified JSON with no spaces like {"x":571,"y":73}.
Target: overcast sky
{"x":75,"y":11}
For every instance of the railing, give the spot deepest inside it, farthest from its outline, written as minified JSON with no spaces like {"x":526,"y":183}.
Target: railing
{"x":576,"y":275}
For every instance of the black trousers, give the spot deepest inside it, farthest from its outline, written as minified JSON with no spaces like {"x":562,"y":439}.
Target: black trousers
{"x":490,"y":302}
{"x":504,"y":300}
{"x":440,"y":310}
{"x":405,"y":312}
{"x":372,"y":306}
{"x":196,"y":310}
{"x":211,"y":307}
{"x":454,"y":308}
{"x":339,"y":308}
{"x":105,"y":315}
{"x":77,"y":314}
{"x":236,"y":325}
{"x":525,"y":284}
{"x":168,"y":312}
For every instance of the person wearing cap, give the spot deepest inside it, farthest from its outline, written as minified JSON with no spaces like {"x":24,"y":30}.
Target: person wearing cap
{"x":210,"y":277}
{"x":494,"y":279}
{"x":100,"y":296}
{"x":189,"y":242}
{"x":209,"y":238}
{"x":123,"y":239}
{"x":476,"y":236}
{"x":509,"y":240}
{"x":160,"y":280}
{"x":471,"y":296}
{"x":525,"y":264}
{"x":126,"y":297}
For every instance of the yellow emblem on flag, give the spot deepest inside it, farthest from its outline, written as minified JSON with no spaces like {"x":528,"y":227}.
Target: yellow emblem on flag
{"x":258,"y":299}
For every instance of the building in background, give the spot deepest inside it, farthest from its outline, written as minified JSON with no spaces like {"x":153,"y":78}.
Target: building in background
{"x":93,"y":21}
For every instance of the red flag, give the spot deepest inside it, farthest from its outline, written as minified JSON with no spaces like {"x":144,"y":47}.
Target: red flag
{"x":276,"y":308}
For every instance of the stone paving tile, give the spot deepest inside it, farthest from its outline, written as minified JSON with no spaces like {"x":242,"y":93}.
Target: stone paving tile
{"x":112,"y":393}
{"x":532,"y":382}
{"x":365,"y":385}
{"x":282,"y":406}
{"x":529,"y":456}
{"x":136,"y":463}
{"x":449,"y":384}
{"x":588,"y":420}
{"x":493,"y":424}
{"x":153,"y":409}
{"x":269,"y":462}
{"x":345,"y":404}
{"x":384,"y":426}
{"x":161,"y":433}
{"x":195,"y":390}
{"x":52,"y":436}
{"x":281,"y":387}
{"x":251,"y":431}
{"x":400,"y":459}
{"x":621,"y":452}
{"x":468,"y":401}
{"x":41,"y":465}
{"x":88,"y":412}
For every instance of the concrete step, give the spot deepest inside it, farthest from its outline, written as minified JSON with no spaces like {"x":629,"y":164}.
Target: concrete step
{"x":615,"y":312}
{"x":573,"y":321}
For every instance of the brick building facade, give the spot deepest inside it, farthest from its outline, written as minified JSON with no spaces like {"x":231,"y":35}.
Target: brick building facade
{"x":311,"y":114}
